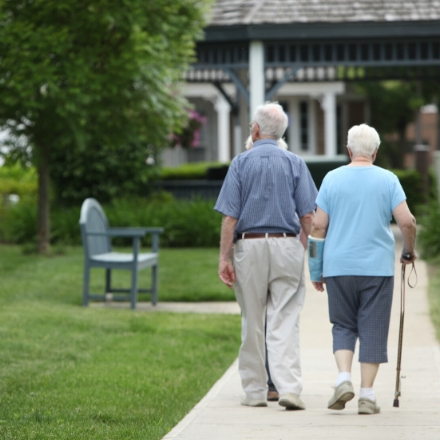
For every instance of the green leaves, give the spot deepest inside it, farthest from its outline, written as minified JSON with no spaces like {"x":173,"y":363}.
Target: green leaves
{"x":94,"y":62}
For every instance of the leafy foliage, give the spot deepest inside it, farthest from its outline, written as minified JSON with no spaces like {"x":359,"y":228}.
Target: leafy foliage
{"x":18,"y":180}
{"x":189,"y":136}
{"x":429,"y":235}
{"x":393,"y":105}
{"x":80,"y":76}
{"x":102,"y":172}
{"x":187,"y":223}
{"x":188,"y":171}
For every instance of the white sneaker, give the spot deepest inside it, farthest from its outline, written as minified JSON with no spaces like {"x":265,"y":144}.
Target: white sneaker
{"x":343,"y":393}
{"x":245,"y":401}
{"x":291,"y":401}
{"x":367,"y":406}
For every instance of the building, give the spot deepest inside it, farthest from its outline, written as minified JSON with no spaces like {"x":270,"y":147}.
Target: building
{"x":305,"y":55}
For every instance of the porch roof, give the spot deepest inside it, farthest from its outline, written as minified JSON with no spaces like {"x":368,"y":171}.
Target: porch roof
{"x":236,"y":12}
{"x":241,"y":20}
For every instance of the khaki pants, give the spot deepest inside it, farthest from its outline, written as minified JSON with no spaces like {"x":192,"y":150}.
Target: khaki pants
{"x":270,"y":274}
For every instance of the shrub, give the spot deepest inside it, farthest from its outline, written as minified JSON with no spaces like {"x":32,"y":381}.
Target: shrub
{"x":411,"y":182}
{"x":102,"y":172}
{"x":18,"y":180}
{"x":429,"y":235}
{"x":188,"y":171}
{"x":18,"y":223}
{"x":191,"y":223}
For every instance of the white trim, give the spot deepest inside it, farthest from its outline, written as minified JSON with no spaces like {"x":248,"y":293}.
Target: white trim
{"x":223,"y":110}
{"x":311,"y":89}
{"x":294,"y":132}
{"x":205,"y":90}
{"x":256,"y":76}
{"x":329,"y":106}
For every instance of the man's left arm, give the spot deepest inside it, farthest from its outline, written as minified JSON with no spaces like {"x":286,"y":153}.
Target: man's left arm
{"x":306,"y":224}
{"x":225,"y":268}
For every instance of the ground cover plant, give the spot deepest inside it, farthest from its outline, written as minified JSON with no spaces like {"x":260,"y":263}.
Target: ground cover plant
{"x":434,"y":294}
{"x":68,"y":372}
{"x":186,"y":223}
{"x":428,"y":238}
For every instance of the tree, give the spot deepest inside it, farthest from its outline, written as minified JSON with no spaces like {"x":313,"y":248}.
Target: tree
{"x":393,"y":106}
{"x":76,"y":74}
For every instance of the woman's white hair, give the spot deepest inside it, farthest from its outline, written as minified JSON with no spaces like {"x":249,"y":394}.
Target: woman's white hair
{"x":271,"y":119}
{"x":363,"y":140}
{"x":249,"y":143}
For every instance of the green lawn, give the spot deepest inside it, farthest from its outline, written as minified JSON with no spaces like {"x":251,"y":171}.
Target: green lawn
{"x":434,"y":294}
{"x":184,"y":275}
{"x":68,"y":372}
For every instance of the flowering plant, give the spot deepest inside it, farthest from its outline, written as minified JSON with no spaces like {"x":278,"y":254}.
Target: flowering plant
{"x":189,"y":137}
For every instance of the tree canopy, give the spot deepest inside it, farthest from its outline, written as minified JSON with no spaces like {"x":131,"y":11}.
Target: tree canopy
{"x":394,"y":104}
{"x":81,"y":74}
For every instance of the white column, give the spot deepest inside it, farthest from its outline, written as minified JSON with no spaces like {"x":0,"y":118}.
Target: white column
{"x":256,"y":76}
{"x":238,"y":140}
{"x":329,"y":107}
{"x":294,"y":138}
{"x":223,"y":110}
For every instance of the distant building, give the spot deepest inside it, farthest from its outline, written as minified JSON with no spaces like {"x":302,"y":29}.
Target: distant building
{"x":303,"y":54}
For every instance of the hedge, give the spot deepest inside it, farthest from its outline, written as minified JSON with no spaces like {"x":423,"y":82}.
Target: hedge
{"x":186,"y":222}
{"x":192,"y":223}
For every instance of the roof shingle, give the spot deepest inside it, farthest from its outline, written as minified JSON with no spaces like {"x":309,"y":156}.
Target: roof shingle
{"x":239,"y":12}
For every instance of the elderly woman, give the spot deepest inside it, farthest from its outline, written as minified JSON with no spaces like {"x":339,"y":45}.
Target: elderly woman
{"x":351,"y":250}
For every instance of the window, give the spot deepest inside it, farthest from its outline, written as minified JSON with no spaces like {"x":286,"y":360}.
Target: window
{"x":304,"y":125}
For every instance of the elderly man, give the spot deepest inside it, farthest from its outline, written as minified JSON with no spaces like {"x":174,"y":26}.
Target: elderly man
{"x":351,"y":249}
{"x":267,"y":197}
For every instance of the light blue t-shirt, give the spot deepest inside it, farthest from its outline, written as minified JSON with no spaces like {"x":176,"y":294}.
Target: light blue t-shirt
{"x":359,"y":202}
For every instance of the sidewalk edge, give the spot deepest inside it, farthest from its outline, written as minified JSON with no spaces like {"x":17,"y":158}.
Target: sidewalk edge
{"x":209,"y":397}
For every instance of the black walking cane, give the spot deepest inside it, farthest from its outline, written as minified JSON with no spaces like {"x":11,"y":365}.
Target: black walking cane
{"x":397,"y":393}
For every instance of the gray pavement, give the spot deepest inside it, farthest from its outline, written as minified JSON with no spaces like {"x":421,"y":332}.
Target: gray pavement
{"x":219,"y":414}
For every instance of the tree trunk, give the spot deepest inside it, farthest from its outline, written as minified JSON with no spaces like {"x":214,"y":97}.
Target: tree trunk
{"x":43,"y":226}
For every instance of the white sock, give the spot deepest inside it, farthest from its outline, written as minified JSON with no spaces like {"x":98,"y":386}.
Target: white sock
{"x":368,"y":393}
{"x":343,"y":377}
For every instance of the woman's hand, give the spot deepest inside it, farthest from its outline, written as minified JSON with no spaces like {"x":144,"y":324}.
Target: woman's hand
{"x":319,"y":285}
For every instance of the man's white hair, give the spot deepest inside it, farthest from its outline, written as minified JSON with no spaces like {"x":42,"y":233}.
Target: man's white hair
{"x":249,"y":143}
{"x":271,"y":119}
{"x":363,"y":140}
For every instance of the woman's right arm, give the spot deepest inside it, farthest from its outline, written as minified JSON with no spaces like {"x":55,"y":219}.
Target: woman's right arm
{"x":407,"y":225}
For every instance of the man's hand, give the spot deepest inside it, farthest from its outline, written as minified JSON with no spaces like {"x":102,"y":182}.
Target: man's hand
{"x":319,"y":285}
{"x":226,"y":273}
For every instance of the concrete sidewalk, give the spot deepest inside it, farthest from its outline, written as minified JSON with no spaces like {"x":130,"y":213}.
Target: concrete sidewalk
{"x":219,"y":414}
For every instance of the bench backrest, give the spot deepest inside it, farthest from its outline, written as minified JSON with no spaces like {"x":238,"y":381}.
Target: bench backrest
{"x":93,"y":219}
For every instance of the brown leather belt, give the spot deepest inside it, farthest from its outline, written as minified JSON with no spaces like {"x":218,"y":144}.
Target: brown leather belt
{"x":246,"y":235}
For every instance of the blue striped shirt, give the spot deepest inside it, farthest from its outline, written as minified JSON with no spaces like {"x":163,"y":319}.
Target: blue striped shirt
{"x":267,"y":189}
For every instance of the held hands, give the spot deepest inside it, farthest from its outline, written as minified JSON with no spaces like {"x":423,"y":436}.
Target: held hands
{"x":226,"y":273}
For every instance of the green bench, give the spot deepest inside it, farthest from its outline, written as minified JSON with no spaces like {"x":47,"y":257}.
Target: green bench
{"x":96,"y":238}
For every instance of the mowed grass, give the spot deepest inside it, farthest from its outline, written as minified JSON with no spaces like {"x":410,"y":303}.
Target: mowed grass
{"x":68,"y":372}
{"x":434,"y":294}
{"x":184,"y":275}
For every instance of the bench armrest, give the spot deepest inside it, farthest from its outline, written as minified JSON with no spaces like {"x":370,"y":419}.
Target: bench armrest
{"x":133,"y":232}
{"x":119,"y":232}
{"x":126,"y":232}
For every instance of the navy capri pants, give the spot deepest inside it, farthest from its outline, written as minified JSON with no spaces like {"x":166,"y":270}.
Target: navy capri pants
{"x":360,"y":307}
